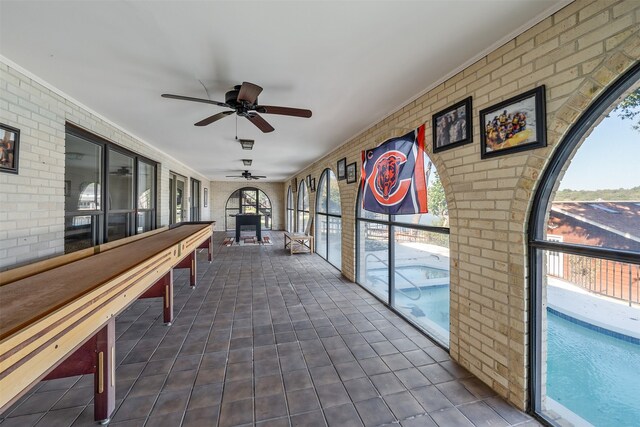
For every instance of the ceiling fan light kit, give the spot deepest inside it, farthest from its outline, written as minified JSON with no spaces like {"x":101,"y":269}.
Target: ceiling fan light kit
{"x":247,"y":162}
{"x":247,"y":175}
{"x":243,"y":100}
{"x":247,"y":144}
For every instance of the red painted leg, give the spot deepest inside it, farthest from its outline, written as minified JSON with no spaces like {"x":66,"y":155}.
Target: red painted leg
{"x":105,"y":376}
{"x":168,"y":297}
{"x":193,"y":269}
{"x":163,"y":288}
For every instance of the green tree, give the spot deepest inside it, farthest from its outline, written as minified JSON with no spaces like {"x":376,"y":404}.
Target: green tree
{"x":437,"y":199}
{"x":629,"y":108}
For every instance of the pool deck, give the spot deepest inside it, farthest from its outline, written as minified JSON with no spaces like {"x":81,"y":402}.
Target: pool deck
{"x":598,"y":310}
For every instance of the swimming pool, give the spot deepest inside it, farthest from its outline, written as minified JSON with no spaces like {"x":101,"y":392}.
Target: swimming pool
{"x":593,"y":375}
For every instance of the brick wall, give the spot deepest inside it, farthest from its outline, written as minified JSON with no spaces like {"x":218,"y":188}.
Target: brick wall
{"x":576,"y":53}
{"x":32,"y":202}
{"x":221,"y":190}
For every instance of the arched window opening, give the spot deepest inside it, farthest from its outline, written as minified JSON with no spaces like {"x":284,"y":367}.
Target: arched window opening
{"x":303,"y":207}
{"x":290,"y":211}
{"x":329,"y":219}
{"x":585,"y":268}
{"x":404,"y":259}
{"x":248,"y":200}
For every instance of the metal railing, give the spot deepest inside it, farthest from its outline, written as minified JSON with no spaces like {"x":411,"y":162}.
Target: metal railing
{"x":610,"y":278}
{"x":416,"y":298}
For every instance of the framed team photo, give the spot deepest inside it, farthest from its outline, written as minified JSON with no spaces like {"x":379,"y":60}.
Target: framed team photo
{"x":342,"y":169}
{"x":352,"y":173}
{"x":9,"y":143}
{"x":516,"y":124}
{"x":452,"y":126}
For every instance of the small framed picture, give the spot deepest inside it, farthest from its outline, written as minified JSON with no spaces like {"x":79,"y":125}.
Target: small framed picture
{"x":342,"y":169}
{"x":67,"y":188}
{"x":9,"y":144}
{"x":206,"y":197}
{"x":309,"y":180}
{"x":516,"y":124}
{"x":313,"y":185}
{"x":452,"y":126}
{"x":352,"y":173}
{"x":294,"y":185}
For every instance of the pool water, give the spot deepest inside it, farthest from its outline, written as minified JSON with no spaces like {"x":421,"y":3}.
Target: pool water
{"x":594,"y":375}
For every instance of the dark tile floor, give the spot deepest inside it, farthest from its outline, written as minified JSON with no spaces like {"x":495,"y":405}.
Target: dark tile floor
{"x":271,"y":339}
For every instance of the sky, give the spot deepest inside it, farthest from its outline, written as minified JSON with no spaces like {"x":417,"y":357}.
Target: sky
{"x":608,"y":159}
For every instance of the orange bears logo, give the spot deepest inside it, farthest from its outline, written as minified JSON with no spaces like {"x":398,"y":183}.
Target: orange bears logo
{"x":385,"y":183}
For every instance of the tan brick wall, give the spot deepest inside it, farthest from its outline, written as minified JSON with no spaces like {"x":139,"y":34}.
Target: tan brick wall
{"x":32,"y":202}
{"x":575,"y":53}
{"x":221,"y":190}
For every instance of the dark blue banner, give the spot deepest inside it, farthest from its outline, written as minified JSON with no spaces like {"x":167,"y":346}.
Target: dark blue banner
{"x":393,"y":176}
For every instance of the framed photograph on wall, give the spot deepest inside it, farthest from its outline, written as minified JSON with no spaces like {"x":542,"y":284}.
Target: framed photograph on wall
{"x":294,"y":185}
{"x":206,"y":197}
{"x":309,"y":180}
{"x":9,"y":144}
{"x":516,"y":124}
{"x":352,"y":173}
{"x":452,"y":127}
{"x":313,"y":185}
{"x":342,"y":169}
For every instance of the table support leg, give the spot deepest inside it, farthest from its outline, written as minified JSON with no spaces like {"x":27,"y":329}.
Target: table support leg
{"x":105,"y":374}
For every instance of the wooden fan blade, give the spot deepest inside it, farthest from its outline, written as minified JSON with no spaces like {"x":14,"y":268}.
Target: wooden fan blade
{"x":234,"y":176}
{"x":260,"y":123}
{"x":213,"y":118}
{"x":249,"y":92}
{"x":188,"y":98}
{"x":257,"y":176}
{"x":285,"y":111}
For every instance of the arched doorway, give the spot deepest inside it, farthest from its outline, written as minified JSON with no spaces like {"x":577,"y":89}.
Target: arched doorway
{"x":404,"y":260}
{"x":585,"y":268}
{"x":328,"y":242}
{"x":248,"y":200}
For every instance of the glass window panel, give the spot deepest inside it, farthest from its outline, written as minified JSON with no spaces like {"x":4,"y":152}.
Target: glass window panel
{"x":334,"y":195}
{"x":598,"y":198}
{"x":118,"y":226}
{"x":120,"y":181}
{"x":335,"y":242}
{"x":146,"y":185}
{"x":589,"y":360}
{"x":321,"y":203}
{"x":83,"y":175}
{"x":145,"y":221}
{"x":79,"y":232}
{"x":438,"y":215}
{"x":234,"y":200}
{"x":421,"y":276}
{"x":263,"y":200}
{"x":321,"y":236}
{"x":373,"y":262}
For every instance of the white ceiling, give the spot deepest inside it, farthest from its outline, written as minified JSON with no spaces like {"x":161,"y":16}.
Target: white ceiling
{"x":350,"y":62}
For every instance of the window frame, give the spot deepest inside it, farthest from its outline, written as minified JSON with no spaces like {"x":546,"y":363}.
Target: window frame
{"x":291,"y":212}
{"x":537,"y":244}
{"x":100,"y":231}
{"x":326,"y":175}
{"x":391,"y":225}
{"x":239,"y":208}
{"x":300,"y":211}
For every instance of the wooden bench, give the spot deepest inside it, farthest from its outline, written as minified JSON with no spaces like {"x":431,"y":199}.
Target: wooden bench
{"x":299,"y":242}
{"x":60,"y":322}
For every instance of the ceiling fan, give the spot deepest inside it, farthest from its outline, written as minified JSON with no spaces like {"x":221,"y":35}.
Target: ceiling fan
{"x":243,"y":100}
{"x":246,"y":175}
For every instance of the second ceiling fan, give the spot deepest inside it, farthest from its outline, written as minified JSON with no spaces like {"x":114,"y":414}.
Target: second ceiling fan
{"x":243,"y":100}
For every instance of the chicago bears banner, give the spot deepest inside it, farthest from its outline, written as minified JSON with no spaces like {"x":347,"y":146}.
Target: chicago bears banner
{"x":393,"y":176}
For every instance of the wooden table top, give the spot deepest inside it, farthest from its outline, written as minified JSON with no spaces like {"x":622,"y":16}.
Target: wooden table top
{"x":26,"y":300}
